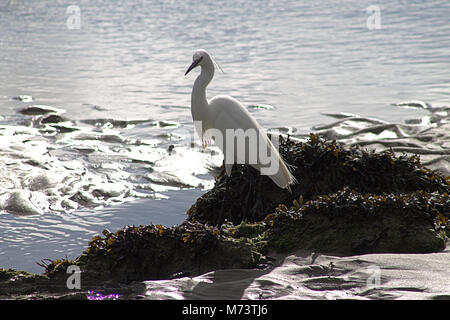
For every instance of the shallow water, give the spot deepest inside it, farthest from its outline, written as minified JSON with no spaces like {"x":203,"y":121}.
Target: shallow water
{"x":30,"y":239}
{"x":118,"y":84}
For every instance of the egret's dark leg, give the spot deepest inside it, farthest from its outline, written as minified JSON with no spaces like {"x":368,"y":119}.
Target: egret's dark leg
{"x":247,"y":211}
{"x":220,"y":218}
{"x":259,"y":204}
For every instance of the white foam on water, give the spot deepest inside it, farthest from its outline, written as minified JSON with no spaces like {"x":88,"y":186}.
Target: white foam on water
{"x":91,"y":167}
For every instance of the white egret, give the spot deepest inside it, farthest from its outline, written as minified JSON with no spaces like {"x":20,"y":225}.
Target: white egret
{"x":222,"y":113}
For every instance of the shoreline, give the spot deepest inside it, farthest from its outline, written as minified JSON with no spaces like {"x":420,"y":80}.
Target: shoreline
{"x":254,"y":244}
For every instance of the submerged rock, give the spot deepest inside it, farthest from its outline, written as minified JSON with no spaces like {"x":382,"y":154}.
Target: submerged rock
{"x":24,"y":98}
{"x":19,"y":203}
{"x":34,"y":110}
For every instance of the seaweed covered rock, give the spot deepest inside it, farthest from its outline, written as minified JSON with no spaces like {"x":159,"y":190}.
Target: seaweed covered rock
{"x":157,"y":252}
{"x":321,"y":167}
{"x":15,"y":282}
{"x":348,"y":222}
{"x":346,"y":202}
{"x":22,"y":285}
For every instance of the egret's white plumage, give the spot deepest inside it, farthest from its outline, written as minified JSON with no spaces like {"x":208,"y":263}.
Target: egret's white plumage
{"x":224,"y":112}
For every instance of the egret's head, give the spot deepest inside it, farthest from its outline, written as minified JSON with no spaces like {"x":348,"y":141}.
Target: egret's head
{"x":199,"y":58}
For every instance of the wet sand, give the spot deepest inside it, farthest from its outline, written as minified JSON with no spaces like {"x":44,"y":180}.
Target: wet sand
{"x":304,"y":275}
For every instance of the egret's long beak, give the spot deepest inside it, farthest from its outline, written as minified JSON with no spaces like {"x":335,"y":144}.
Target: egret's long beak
{"x":193,"y":65}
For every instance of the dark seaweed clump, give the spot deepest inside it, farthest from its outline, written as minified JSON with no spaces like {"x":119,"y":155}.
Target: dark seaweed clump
{"x":156,"y":252}
{"x":321,"y":167}
{"x":349,"y":222}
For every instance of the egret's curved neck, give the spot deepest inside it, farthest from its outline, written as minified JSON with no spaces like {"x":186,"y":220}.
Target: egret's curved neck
{"x":198,"y":98}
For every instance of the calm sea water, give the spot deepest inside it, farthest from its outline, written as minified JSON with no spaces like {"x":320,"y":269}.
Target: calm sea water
{"x":126,"y":60}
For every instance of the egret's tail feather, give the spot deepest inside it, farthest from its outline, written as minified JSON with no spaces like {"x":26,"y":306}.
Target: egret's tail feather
{"x":290,"y":167}
{"x":287,"y":170}
{"x":284,"y":177}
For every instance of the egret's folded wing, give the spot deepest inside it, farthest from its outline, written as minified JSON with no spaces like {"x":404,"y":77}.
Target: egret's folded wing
{"x":229,"y":114}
